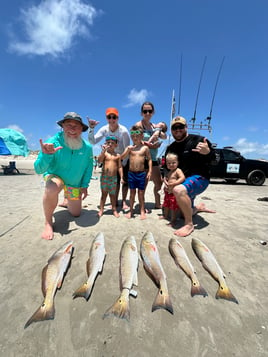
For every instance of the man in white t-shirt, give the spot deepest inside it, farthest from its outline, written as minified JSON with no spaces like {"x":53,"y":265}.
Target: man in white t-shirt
{"x":113,"y":128}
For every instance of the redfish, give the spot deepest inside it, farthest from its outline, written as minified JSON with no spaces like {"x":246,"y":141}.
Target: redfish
{"x":181,"y":259}
{"x":94,"y":266}
{"x":153,"y":266}
{"x":52,"y":278}
{"x":129,"y":261}
{"x":211,"y":265}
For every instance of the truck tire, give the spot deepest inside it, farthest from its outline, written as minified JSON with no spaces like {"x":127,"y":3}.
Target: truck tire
{"x":256,"y":178}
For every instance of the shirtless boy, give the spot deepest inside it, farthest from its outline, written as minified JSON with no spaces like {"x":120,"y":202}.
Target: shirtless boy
{"x":111,"y":165}
{"x":173,"y":177}
{"x":137,"y":175}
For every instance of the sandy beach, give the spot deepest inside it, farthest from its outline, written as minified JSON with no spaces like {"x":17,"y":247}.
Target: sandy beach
{"x":200,"y":326}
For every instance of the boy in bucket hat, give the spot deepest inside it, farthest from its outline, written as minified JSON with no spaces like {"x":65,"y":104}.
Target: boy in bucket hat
{"x":66,"y":161}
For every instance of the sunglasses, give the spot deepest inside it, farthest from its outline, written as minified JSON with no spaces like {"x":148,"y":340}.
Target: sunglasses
{"x":177,"y":127}
{"x":145,"y":111}
{"x":133,"y":132}
{"x":111,"y":117}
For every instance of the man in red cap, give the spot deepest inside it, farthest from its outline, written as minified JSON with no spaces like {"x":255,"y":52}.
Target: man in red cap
{"x":113,"y":128}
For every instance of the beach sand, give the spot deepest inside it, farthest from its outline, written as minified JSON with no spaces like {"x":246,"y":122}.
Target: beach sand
{"x":199,"y":327}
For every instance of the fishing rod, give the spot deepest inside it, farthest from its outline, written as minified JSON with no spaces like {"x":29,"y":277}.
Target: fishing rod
{"x":198,"y":90}
{"x":179,"y":102}
{"x":213,"y":97}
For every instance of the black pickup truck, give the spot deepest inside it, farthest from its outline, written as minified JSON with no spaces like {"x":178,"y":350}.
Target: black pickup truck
{"x":232,"y":166}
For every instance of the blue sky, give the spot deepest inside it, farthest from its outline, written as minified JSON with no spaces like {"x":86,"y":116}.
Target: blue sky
{"x":75,"y":55}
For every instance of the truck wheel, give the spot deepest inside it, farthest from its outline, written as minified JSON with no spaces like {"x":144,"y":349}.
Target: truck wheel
{"x":256,"y":178}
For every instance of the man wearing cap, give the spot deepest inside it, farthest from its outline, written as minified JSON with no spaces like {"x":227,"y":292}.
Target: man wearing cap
{"x":66,"y":161}
{"x":195,"y":153}
{"x":113,"y":128}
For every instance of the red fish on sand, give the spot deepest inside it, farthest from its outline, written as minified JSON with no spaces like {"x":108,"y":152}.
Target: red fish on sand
{"x":129,"y":261}
{"x":211,"y":265}
{"x":94,"y":266}
{"x":181,"y":260}
{"x":153,"y":266}
{"x":52,"y":277}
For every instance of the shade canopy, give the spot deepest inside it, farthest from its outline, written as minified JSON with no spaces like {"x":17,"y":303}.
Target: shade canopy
{"x":13,"y":142}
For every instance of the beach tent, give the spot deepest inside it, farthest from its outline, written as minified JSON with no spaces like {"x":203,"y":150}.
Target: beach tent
{"x":13,"y":142}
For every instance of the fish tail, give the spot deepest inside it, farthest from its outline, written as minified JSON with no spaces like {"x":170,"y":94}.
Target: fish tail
{"x":197,"y":289}
{"x":84,"y":291}
{"x":224,"y":292}
{"x":44,"y":312}
{"x":120,"y":308}
{"x":162,"y":301}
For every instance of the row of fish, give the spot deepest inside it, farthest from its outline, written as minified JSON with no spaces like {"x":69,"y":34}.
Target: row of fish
{"x":53,"y":274}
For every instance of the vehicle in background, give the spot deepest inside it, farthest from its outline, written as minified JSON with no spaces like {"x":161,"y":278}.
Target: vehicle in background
{"x":232,"y":166}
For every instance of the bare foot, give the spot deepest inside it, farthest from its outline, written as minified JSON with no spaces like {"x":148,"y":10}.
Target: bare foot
{"x":202,"y":208}
{"x":129,"y":215}
{"x":48,"y":232}
{"x":162,"y":217}
{"x":100,"y":213}
{"x":143,"y":215}
{"x":125,"y":206}
{"x":185,"y":230}
{"x":116,"y":214}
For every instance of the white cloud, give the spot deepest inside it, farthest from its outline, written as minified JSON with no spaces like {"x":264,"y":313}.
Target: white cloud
{"x":52,"y":26}
{"x":15,"y":127}
{"x":252,"y":149}
{"x":136,"y":97}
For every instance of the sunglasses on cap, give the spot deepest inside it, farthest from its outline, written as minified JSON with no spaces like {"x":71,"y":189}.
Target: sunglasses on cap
{"x":111,"y":117}
{"x":178,"y":126}
{"x":133,"y":132}
{"x":145,"y":111}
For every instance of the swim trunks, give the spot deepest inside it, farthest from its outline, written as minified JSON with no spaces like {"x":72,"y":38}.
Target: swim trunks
{"x":71,"y":193}
{"x":109,"y":183}
{"x":195,"y":185}
{"x":170,"y":202}
{"x":136,"y":180}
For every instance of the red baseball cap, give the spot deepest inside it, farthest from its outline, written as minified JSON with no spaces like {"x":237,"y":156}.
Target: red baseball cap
{"x":112,"y":111}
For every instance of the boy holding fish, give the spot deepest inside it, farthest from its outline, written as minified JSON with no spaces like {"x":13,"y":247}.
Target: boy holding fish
{"x":137,"y":175}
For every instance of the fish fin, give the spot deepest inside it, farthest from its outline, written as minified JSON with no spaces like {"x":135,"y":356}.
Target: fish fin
{"x":135,"y":279}
{"x":120,"y":308}
{"x":224,"y":292}
{"x":198,"y":289}
{"x":43,"y":280}
{"x":84,"y":291}
{"x":60,"y":282}
{"x":44,"y":312}
{"x":162,"y":301}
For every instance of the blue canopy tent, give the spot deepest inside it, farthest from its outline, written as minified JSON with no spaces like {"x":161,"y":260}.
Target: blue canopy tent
{"x":12,"y":142}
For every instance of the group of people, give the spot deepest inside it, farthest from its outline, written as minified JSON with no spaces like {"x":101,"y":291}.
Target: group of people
{"x":66,"y":161}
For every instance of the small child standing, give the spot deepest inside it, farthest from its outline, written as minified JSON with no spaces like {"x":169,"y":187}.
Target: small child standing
{"x":137,"y":174}
{"x":173,"y":177}
{"x":111,"y":164}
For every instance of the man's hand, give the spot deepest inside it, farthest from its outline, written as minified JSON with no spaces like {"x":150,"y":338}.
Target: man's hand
{"x":83,"y":192}
{"x":92,"y":123}
{"x":48,"y":148}
{"x":202,"y":147}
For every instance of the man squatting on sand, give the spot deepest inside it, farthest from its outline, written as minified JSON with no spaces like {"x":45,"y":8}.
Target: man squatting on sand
{"x":195,"y":153}
{"x":66,"y":160}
